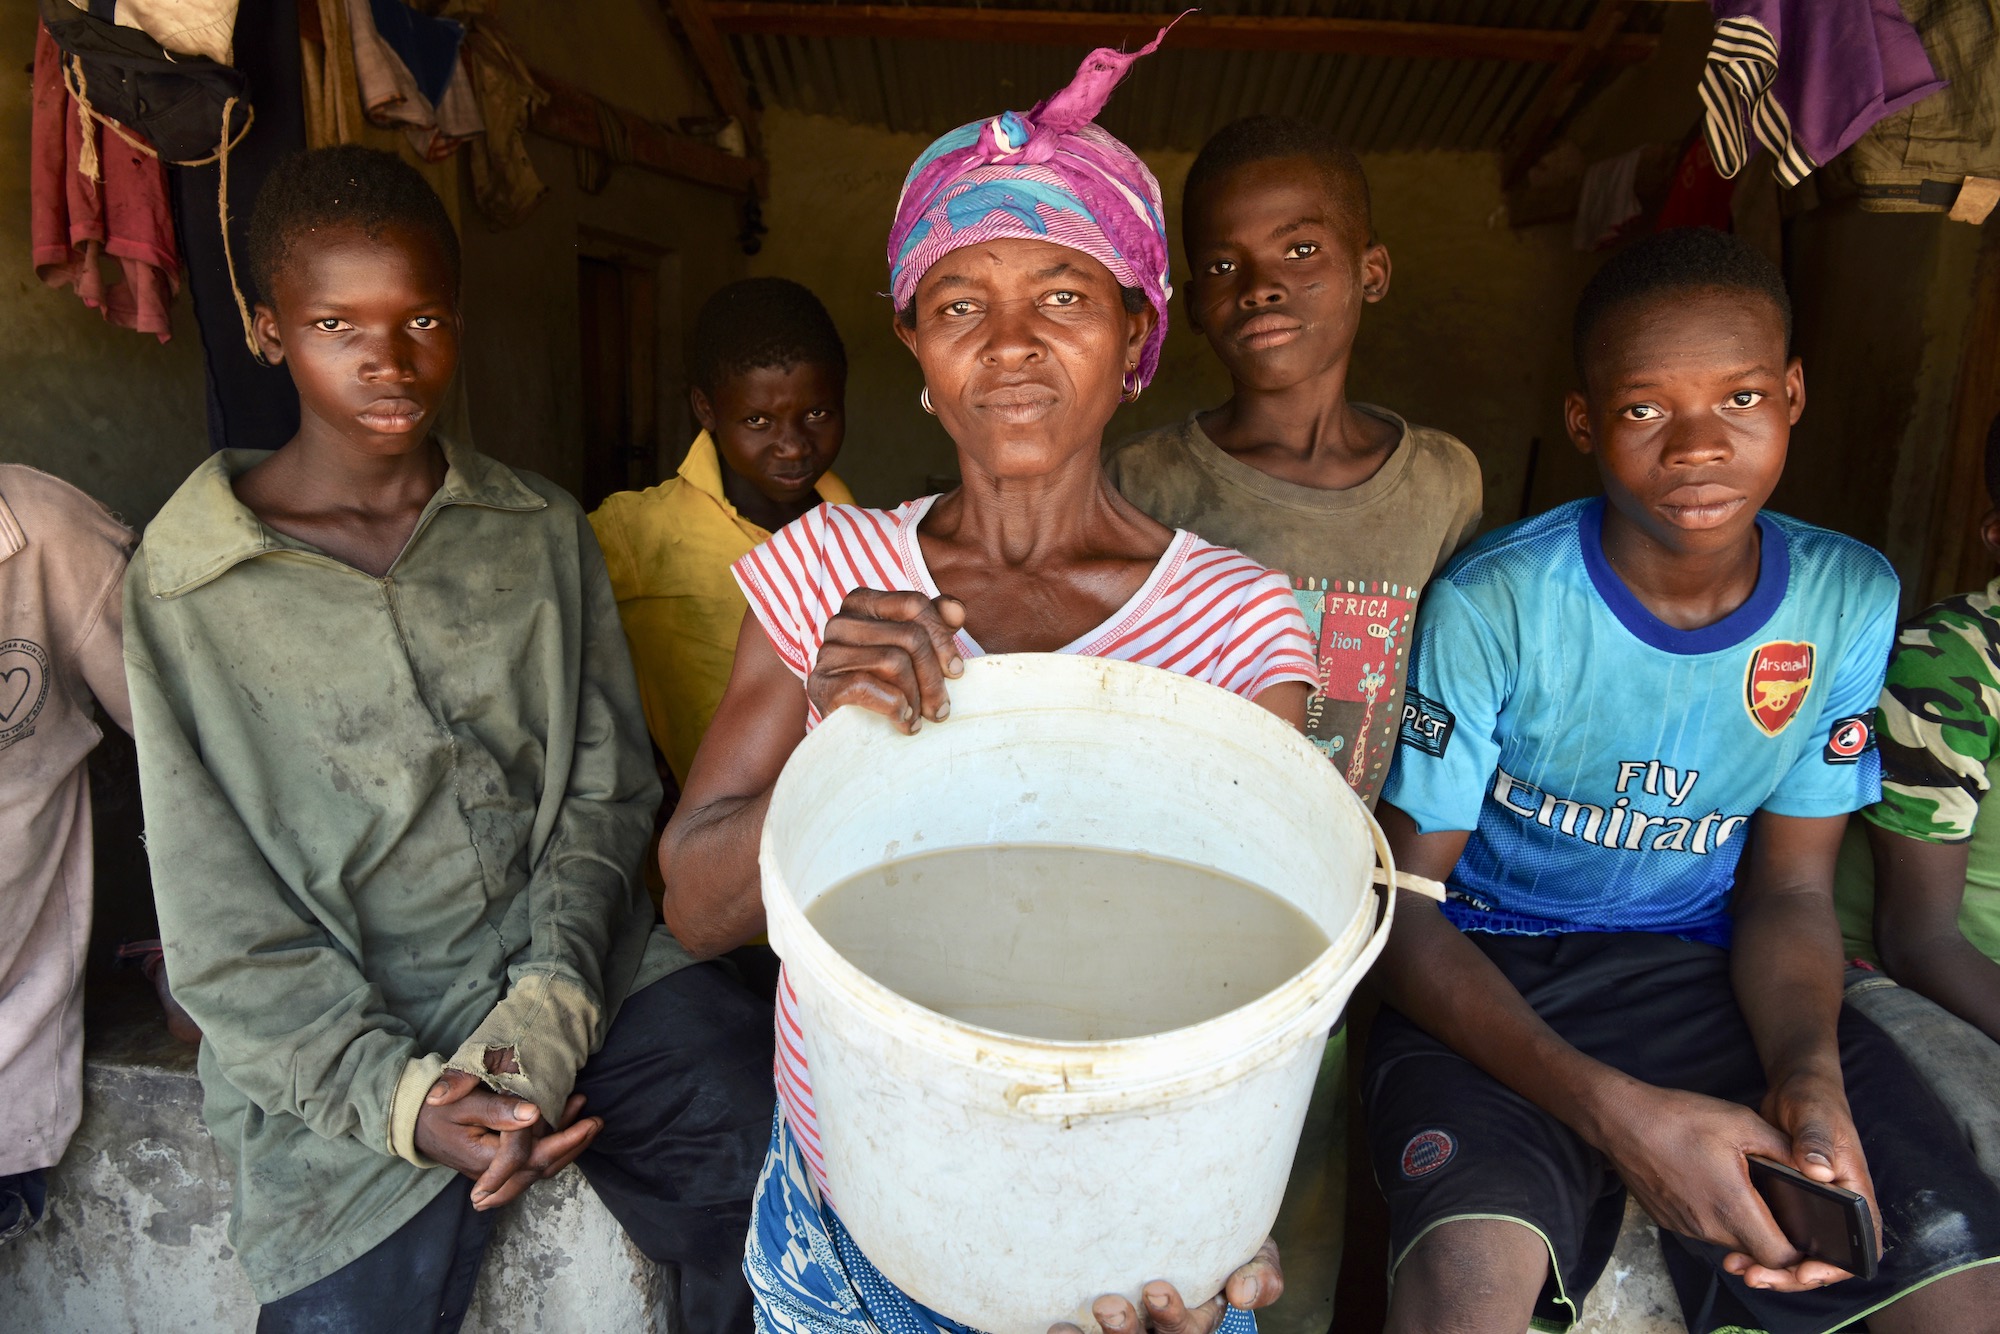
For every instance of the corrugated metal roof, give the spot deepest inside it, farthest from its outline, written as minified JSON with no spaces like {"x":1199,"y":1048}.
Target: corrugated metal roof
{"x":1176,"y":98}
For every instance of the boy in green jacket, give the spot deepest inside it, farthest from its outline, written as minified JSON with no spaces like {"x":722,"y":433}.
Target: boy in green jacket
{"x":397,"y":792}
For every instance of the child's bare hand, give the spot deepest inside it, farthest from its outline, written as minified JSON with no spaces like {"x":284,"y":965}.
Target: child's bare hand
{"x":1252,"y":1287}
{"x":889,"y":653}
{"x":500,"y":1141}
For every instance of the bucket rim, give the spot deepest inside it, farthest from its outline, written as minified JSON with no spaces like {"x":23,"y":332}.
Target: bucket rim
{"x":1268,"y":1024}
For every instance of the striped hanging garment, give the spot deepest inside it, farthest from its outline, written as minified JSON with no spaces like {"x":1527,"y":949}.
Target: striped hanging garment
{"x":1805,"y":79}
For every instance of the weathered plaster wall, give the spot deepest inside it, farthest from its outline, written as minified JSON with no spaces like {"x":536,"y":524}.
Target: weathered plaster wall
{"x":622,"y":50}
{"x":833,"y":188}
{"x":115,"y":412}
{"x":1881,"y":306}
{"x":523,"y":356}
{"x":1467,"y":339}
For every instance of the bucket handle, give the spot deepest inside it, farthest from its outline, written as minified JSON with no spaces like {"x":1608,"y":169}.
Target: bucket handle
{"x":1410,"y":880}
{"x":1063,"y":1103}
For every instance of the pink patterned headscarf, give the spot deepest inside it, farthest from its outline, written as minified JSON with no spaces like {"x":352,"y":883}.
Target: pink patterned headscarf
{"x":1048,"y":174}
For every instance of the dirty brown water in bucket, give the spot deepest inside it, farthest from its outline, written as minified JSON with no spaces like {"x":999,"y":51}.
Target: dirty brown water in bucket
{"x":1065,"y":943}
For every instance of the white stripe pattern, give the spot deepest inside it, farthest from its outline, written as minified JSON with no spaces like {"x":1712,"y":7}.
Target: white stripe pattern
{"x":1736,"y":94}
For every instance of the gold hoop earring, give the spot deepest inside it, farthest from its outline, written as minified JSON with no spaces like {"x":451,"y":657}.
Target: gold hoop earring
{"x":925,"y":399}
{"x":1132,"y":388}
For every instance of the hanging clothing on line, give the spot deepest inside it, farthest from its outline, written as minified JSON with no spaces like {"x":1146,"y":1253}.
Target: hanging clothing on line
{"x":334,"y":112}
{"x":393,"y":94}
{"x":504,"y":180}
{"x":1608,"y":201}
{"x":332,"y":94}
{"x":498,"y":81}
{"x":1806,"y":78}
{"x":95,"y":195}
{"x":185,"y":27}
{"x":428,"y":45}
{"x":1698,"y":195}
{"x":1917,"y":160}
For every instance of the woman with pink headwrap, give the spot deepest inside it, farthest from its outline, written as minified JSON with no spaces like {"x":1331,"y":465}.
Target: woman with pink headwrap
{"x":1028,"y":267}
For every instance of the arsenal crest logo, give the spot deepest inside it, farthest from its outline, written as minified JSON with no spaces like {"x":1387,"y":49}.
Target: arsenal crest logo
{"x":1775,"y":686}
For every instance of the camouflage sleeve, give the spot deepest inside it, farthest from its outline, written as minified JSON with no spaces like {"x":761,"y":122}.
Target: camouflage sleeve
{"x":1939,"y":722}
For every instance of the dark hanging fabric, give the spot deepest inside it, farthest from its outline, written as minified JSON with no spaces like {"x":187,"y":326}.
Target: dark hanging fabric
{"x":176,"y":101}
{"x":250,"y":405}
{"x":428,"y":46}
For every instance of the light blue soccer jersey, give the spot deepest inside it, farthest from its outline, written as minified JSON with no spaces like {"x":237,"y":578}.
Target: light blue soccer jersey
{"x":1608,"y":763}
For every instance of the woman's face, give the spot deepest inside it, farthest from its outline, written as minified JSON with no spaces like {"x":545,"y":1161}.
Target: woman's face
{"x":1025,"y":346}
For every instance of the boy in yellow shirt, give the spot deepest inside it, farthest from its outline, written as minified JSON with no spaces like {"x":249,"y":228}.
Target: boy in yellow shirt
{"x":770,"y":387}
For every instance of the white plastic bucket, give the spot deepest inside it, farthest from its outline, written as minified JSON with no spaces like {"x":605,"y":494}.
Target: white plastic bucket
{"x":1005,"y":1181}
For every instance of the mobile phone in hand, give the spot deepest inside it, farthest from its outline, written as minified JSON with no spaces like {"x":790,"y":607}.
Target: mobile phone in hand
{"x":1824,"y":1222}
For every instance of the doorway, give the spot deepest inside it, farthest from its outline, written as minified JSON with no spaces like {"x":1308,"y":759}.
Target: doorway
{"x":627,"y":315}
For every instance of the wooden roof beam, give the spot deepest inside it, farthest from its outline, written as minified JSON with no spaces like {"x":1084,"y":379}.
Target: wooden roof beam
{"x":1215,"y":32}
{"x":718,"y":67}
{"x":1592,"y":51}
{"x":575,"y":116}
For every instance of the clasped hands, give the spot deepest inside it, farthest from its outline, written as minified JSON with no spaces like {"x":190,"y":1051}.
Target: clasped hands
{"x":502,"y":1142}
{"x":505,"y":1145}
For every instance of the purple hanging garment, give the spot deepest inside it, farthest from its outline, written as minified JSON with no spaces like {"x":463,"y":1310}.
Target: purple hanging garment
{"x":1806,"y":78}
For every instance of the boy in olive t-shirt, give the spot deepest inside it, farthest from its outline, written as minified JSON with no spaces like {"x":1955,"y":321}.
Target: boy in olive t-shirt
{"x":1356,"y":506}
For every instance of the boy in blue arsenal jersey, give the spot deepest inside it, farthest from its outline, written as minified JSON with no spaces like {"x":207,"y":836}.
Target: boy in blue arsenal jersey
{"x":1634,"y":730}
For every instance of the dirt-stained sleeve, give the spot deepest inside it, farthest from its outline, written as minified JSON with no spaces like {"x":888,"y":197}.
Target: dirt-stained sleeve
{"x":583,"y":891}
{"x":287,"y":1017}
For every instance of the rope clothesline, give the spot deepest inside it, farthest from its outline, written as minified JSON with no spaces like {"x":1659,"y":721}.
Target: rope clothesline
{"x":89,"y":166}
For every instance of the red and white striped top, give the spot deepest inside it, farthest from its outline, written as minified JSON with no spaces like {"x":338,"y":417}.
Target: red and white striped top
{"x":1205,"y":611}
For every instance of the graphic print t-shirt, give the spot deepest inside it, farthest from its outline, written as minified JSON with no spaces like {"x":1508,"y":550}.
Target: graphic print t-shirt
{"x":1357,"y":560}
{"x":1607,"y":763}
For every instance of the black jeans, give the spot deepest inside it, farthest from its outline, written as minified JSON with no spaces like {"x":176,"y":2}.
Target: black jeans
{"x":23,"y":1196}
{"x":421,"y":1278}
{"x":683,"y":1083}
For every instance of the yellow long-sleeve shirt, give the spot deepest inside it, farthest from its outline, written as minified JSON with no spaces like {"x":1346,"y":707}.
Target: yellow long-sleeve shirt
{"x":669,"y":549}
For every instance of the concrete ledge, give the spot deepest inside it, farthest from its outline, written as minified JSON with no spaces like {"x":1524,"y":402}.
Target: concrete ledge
{"x":135,"y":1237}
{"x":1634,"y":1296}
